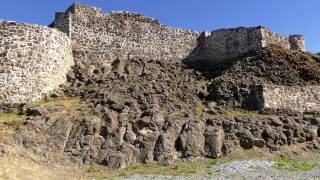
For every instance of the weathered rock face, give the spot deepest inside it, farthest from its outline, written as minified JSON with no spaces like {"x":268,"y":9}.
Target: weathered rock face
{"x":81,"y":137}
{"x":192,"y":139}
{"x":135,"y":88}
{"x":144,"y":110}
{"x":214,"y":136}
{"x":167,"y":146}
{"x":34,"y":61}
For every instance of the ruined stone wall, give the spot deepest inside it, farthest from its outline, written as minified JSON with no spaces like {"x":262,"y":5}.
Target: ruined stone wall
{"x":33,"y":61}
{"x":99,"y":38}
{"x":298,"y":98}
{"x":223,"y":44}
{"x":63,"y":22}
{"x":229,"y":43}
{"x":297,"y":42}
{"x":271,"y":38}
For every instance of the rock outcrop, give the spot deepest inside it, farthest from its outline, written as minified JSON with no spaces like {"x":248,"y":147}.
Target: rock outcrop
{"x":145,"y":110}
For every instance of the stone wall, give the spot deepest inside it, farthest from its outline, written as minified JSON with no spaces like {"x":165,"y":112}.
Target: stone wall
{"x":63,"y":22}
{"x":297,"y":42}
{"x":99,"y":38}
{"x":33,"y":61}
{"x":229,"y":43}
{"x":298,"y":98}
{"x":271,"y":38}
{"x":223,"y":44}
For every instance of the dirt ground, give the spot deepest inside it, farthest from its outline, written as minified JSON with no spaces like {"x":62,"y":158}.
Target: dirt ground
{"x":16,"y":165}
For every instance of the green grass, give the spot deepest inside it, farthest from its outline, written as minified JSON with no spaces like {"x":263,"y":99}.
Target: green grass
{"x":230,"y":113}
{"x":153,"y":168}
{"x":294,"y":165}
{"x":67,"y":101}
{"x":199,"y":167}
{"x":93,"y":169}
{"x":10,"y":121}
{"x":180,"y":114}
{"x":317,"y":117}
{"x":199,"y":109}
{"x":181,"y":168}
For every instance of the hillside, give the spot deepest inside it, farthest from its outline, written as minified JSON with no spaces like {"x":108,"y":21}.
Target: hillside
{"x":145,"y":110}
{"x":117,"y":90}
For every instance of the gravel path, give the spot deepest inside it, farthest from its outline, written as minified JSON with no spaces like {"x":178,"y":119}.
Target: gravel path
{"x":240,"y":170}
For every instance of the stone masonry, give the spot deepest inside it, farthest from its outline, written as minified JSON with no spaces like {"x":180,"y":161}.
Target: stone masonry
{"x":33,"y":61}
{"x":223,"y":44}
{"x":297,"y":98}
{"x":99,"y":38}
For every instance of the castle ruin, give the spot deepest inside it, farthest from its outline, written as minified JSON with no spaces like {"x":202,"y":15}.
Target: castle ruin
{"x":224,"y":44}
{"x":34,"y":59}
{"x":110,"y":35}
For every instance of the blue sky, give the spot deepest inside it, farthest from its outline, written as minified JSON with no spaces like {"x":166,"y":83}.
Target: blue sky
{"x":283,"y":16}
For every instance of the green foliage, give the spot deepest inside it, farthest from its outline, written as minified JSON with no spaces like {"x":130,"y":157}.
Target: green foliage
{"x":93,"y":169}
{"x":294,"y":165}
{"x":14,"y":110}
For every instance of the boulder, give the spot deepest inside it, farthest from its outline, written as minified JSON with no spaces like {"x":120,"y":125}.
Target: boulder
{"x":214,"y":139}
{"x":246,"y":140}
{"x":111,"y":122}
{"x":260,"y":143}
{"x":166,"y":145}
{"x":192,"y":139}
{"x":275,"y":121}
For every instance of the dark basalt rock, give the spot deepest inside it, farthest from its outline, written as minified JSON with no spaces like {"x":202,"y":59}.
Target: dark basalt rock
{"x":145,"y":110}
